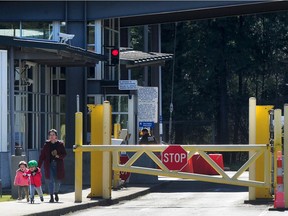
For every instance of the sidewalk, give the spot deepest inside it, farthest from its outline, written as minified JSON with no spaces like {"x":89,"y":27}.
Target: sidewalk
{"x":66,"y":202}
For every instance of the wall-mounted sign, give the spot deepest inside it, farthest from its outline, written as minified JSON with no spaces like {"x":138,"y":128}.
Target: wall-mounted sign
{"x":146,"y":124}
{"x":148,"y":104}
{"x":128,"y":85}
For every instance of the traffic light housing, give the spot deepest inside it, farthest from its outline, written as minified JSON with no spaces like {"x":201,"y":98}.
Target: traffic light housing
{"x":115,"y":56}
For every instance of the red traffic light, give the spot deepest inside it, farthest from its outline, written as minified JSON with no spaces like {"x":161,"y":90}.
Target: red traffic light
{"x":115,"y":52}
{"x":114,"y":56}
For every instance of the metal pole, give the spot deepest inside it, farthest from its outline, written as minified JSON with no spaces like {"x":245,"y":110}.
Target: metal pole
{"x":160,"y":90}
{"x":172,"y":86}
{"x":77,"y":99}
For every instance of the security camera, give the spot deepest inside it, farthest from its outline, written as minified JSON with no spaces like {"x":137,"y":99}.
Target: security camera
{"x":65,"y":37}
{"x":30,"y":64}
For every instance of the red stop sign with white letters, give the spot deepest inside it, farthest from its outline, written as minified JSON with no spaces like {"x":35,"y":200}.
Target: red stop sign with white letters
{"x":174,"y":157}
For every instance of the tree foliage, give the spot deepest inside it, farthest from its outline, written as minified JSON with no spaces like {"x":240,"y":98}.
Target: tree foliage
{"x":219,"y":64}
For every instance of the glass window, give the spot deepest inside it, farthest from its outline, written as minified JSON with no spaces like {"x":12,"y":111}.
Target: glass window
{"x":124,"y":103}
{"x":122,"y":119}
{"x":10,"y":29}
{"x":38,"y":30}
{"x":90,"y":100}
{"x":62,"y":73}
{"x":91,"y":73}
{"x":63,"y":27}
{"x":54,"y":74}
{"x":54,"y":103}
{"x":118,"y":103}
{"x":63,"y":127}
{"x":62,"y":105}
{"x":37,"y":109}
{"x":62,"y":86}
{"x":55,"y":89}
{"x":91,"y":34}
{"x":91,"y":48}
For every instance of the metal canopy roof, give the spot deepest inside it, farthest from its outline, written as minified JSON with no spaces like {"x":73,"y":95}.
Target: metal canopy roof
{"x":49,"y":52}
{"x":133,"y":58}
{"x":176,"y":11}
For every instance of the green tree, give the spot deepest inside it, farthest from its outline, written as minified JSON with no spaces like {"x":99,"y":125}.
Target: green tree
{"x":219,"y":64}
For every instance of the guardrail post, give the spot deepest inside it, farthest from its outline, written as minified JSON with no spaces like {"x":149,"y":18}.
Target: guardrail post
{"x":78,"y":156}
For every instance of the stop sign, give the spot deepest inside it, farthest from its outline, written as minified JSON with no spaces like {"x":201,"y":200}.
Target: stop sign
{"x":174,"y":157}
{"x":124,"y":175}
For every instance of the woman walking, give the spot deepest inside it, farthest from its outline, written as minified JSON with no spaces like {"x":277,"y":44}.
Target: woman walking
{"x":52,"y":155}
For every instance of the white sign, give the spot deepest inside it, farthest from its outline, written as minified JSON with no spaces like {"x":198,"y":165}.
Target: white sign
{"x":128,"y":85}
{"x":148,"y":104}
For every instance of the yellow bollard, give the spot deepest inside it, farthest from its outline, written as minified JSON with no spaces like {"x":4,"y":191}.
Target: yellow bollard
{"x":78,"y":156}
{"x":96,"y":157}
{"x":262,"y":137}
{"x":117,"y":128}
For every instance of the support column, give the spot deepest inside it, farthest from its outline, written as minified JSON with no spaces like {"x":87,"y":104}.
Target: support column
{"x":3,"y":99}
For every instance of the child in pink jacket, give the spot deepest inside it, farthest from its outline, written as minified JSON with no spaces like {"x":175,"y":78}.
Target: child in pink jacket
{"x":21,"y":181}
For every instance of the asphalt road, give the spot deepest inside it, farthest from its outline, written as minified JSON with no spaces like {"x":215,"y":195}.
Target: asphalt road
{"x":184,"y":197}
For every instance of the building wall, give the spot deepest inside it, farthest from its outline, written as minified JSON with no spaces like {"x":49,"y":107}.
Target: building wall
{"x":76,"y":15}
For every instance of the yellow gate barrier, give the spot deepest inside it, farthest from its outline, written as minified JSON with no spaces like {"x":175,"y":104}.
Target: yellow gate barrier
{"x":259,"y":163}
{"x":255,"y":150}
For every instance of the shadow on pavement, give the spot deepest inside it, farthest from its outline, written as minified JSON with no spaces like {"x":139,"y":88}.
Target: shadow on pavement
{"x":198,"y":186}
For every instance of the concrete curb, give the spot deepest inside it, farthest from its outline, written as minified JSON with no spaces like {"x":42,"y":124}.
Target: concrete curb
{"x":100,"y":202}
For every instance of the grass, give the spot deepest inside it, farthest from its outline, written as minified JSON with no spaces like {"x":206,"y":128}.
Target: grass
{"x":6,"y":198}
